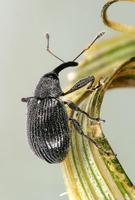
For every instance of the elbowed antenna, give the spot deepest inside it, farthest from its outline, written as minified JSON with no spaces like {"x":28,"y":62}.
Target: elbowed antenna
{"x":94,"y":40}
{"x":64,"y":64}
{"x":48,"y":48}
{"x":70,"y":63}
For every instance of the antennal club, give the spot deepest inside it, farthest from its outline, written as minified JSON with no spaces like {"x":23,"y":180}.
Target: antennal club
{"x":97,"y":37}
{"x":48,"y":49}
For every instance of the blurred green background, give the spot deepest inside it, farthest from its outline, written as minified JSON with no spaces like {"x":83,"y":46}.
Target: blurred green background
{"x":23,"y":60}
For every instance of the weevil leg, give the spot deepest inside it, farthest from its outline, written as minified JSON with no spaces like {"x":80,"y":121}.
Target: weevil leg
{"x":75,"y":107}
{"x":26,"y":99}
{"x":81,"y":83}
{"x":79,"y":130}
{"x":98,"y":85}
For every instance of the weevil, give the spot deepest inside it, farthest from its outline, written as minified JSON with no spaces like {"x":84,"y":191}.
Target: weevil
{"x":47,"y":119}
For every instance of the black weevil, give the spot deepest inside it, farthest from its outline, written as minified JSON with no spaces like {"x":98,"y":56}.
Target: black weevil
{"x":47,"y":119}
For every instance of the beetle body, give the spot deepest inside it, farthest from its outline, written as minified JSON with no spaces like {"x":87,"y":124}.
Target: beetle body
{"x":47,"y":119}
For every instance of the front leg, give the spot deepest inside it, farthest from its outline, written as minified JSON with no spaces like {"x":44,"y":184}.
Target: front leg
{"x":81,"y":83}
{"x":75,"y":107}
{"x":97,"y":86}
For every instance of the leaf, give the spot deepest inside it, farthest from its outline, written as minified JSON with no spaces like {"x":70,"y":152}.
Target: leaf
{"x":115,"y":25}
{"x":91,"y":174}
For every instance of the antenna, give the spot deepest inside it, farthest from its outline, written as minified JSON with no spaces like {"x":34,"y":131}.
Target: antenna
{"x":48,"y":49}
{"x":97,"y":37}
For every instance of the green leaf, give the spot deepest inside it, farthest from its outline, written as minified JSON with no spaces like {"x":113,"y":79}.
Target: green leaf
{"x":115,"y":25}
{"x":91,"y":174}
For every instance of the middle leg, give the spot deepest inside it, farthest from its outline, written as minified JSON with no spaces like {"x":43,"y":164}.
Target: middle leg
{"x":75,"y":107}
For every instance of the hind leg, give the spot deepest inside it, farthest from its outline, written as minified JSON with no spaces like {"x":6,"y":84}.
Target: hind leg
{"x":79,"y":130}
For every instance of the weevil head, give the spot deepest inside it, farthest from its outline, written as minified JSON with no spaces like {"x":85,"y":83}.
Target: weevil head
{"x":49,"y":84}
